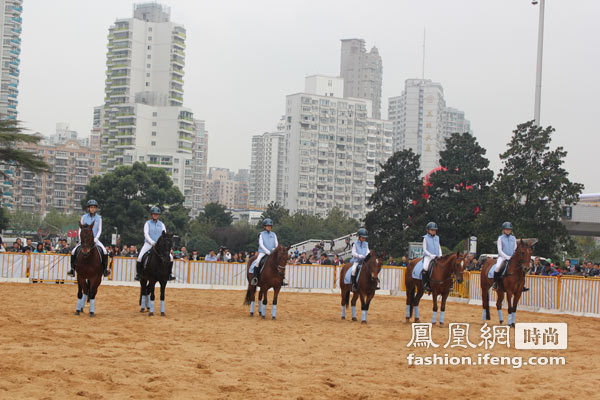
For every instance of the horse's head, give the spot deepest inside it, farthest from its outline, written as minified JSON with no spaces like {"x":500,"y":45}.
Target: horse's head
{"x":522,"y":257}
{"x":164,"y":244}
{"x":458,"y":266}
{"x":87,"y":238}
{"x":373,"y":262}
{"x":281,"y":255}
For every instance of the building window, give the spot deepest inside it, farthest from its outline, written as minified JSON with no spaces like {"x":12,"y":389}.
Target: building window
{"x":149,"y":47}
{"x":154,"y":123}
{"x":148,"y":66}
{"x":150,"y":29}
{"x":153,"y":143}
{"x":153,"y":133}
{"x":148,"y":74}
{"x":154,"y":114}
{"x":149,"y":37}
{"x":147,"y":83}
{"x":149,"y":56}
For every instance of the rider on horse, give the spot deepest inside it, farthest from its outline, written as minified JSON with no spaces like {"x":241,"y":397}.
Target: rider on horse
{"x":431,"y":250}
{"x":360,"y":250}
{"x":507,"y":244}
{"x":87,"y":219}
{"x":267,"y":242}
{"x":153,"y":229}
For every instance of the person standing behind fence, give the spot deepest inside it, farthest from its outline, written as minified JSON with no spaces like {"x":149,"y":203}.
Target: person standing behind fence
{"x":88,"y":219}
{"x":153,"y":229}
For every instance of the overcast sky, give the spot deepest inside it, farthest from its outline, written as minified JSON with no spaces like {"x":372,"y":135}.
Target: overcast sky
{"x":243,"y":57}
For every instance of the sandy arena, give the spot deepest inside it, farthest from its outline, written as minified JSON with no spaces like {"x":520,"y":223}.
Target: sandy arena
{"x":208,"y":347}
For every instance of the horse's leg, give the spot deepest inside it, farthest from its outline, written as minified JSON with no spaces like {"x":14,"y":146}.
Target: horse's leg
{"x":485,"y":303}
{"x":275,"y":294}
{"x":93,"y":287}
{"x":143,"y":303}
{"x":434,"y":296}
{"x":345,"y":298}
{"x":260,"y":296}
{"x":353,"y":303}
{"x":443,"y":308}
{"x":264,"y":302}
{"x":516,"y":298}
{"x":80,"y":303}
{"x":409,"y":297}
{"x":367,"y":305}
{"x":500,"y":298}
{"x":417,"y":299}
{"x":163,"y":286}
{"x":151,"y":284}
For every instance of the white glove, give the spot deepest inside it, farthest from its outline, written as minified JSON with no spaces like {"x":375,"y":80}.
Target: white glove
{"x":152,"y":243}
{"x":95,"y":240}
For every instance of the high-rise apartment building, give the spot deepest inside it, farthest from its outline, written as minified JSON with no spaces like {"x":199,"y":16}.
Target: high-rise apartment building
{"x":334,"y":149}
{"x":10,"y":50}
{"x":143,"y":118}
{"x":200,"y":163}
{"x":72,"y":166}
{"x":267,"y":169}
{"x":227,"y":188}
{"x":362,"y":72}
{"x":421,"y":121}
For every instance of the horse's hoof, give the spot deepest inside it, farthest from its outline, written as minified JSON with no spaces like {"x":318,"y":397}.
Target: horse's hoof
{"x":162,"y":314}
{"x":343,"y":317}
{"x":501,"y":322}
{"x":273,"y":318}
{"x":77,"y":312}
{"x":92,"y":314}
{"x":142,"y":310}
{"x":354,"y":319}
{"x":441,"y":324}
{"x":150,"y":314}
{"x":252,"y":314}
{"x":417,"y":320}
{"x":363,"y":322}
{"x":512,"y":325}
{"x":263,"y":317}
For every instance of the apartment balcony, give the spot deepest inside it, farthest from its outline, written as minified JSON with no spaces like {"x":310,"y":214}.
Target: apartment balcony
{"x":120,"y":29}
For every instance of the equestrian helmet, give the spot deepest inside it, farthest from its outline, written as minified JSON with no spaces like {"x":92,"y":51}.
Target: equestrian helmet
{"x":155,"y":210}
{"x":268,"y":222}
{"x":507,"y":225}
{"x":92,"y":203}
{"x":363,"y":233}
{"x":432,"y":225}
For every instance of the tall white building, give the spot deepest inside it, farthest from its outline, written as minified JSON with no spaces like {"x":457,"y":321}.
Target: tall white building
{"x":267,"y":169}
{"x":143,"y":117}
{"x":362,"y":72}
{"x":10,"y":33}
{"x":454,"y":121}
{"x":200,"y":163}
{"x":333,"y":151}
{"x":421,"y":121}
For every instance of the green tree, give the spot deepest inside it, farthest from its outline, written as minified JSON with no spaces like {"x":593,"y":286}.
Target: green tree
{"x":458,"y":191}
{"x":11,"y":134}
{"x":238,"y":237}
{"x":57,"y":223}
{"x":21,"y":221}
{"x":586,"y":248}
{"x":216,"y":214}
{"x":125,"y":196}
{"x":397,"y":186}
{"x":530,"y":191}
{"x":338,"y":223}
{"x":4,"y":218}
{"x":275,"y":211}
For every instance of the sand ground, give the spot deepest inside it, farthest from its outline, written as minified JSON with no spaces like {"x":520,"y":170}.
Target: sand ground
{"x":207,"y":346}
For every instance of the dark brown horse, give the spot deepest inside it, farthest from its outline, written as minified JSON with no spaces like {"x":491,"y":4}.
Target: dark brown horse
{"x":442,"y":269}
{"x":366,"y":284}
{"x":272,"y":276}
{"x":512,"y":282}
{"x":89,"y":269}
{"x":157,"y":270}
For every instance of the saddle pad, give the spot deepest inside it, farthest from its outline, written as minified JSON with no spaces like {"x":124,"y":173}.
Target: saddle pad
{"x":417,"y":270}
{"x":502,"y":270}
{"x":348,"y":276}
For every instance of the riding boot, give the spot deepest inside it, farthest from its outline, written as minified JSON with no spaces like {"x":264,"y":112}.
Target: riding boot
{"x":138,"y":270}
{"x":72,"y":270}
{"x":425,"y":279}
{"x":497,"y":280}
{"x":171,"y":276}
{"x":284,"y":282}
{"x":254,"y":281}
{"x":354,"y":284}
{"x":104,"y":264}
{"x":525,"y":289}
{"x":377,"y":288}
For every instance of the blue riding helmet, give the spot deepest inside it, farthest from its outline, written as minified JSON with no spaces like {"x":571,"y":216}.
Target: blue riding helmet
{"x":363,"y":233}
{"x":92,"y":203}
{"x":507,"y":225}
{"x":432,"y":225}
{"x":268,"y":222}
{"x":155,"y":210}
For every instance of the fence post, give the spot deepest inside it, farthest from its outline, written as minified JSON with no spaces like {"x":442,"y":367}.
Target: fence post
{"x":189,"y":270}
{"x":558,"y":292}
{"x":334,"y":276}
{"x":28,"y":265}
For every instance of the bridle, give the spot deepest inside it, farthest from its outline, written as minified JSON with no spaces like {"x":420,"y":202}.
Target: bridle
{"x":163,"y":259}
{"x":452,"y":271}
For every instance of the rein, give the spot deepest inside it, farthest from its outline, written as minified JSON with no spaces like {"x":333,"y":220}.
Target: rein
{"x":449,"y":278}
{"x":160,"y":256}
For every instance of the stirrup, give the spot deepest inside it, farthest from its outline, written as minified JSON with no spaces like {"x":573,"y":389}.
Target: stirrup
{"x":137,"y":277}
{"x":71,"y":272}
{"x":105,"y":272}
{"x":283,"y":282}
{"x":525,"y":289}
{"x":172,"y":277}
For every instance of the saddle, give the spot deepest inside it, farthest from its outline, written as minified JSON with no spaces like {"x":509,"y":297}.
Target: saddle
{"x":145,"y":258}
{"x":258,"y":268}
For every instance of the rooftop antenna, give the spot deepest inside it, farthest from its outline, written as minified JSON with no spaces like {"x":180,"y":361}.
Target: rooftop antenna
{"x":423,"y":69}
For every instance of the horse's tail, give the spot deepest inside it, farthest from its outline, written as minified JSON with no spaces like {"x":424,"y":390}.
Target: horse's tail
{"x":347,"y":298}
{"x":249,"y":294}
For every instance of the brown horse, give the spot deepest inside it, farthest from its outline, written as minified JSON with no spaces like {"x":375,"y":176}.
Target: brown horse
{"x":512,"y":282}
{"x":89,"y":269}
{"x":366,"y":283}
{"x":272,"y":276}
{"x":442,"y":269}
